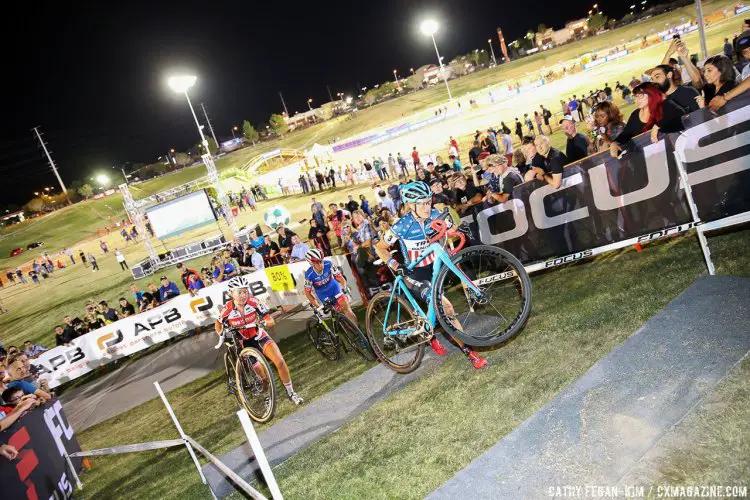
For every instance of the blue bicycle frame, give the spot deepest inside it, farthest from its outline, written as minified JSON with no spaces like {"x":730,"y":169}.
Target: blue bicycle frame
{"x":442,"y":258}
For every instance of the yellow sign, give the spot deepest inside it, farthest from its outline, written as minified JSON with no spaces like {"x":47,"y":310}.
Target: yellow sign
{"x":280,"y":277}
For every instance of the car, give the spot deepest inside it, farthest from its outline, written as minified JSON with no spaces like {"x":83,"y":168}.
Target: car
{"x":36,"y":244}
{"x":16,"y":251}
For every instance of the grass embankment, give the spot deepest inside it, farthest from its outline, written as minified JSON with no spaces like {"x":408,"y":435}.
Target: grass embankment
{"x":421,"y":436}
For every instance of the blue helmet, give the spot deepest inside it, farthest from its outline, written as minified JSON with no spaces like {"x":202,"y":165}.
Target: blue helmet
{"x":415,"y":191}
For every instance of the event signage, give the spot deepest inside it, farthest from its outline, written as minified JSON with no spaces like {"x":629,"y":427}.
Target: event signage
{"x":175,"y":317}
{"x":42,"y":437}
{"x":604,"y":199}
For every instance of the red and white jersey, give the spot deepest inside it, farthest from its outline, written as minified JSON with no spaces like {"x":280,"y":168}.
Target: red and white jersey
{"x":245,"y":319}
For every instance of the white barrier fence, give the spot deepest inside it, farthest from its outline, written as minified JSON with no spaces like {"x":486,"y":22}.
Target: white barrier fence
{"x":276,"y":286}
{"x":192,"y":445}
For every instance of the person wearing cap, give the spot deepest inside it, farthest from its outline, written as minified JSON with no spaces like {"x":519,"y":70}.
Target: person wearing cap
{"x":167,"y":290}
{"x":502,"y":179}
{"x":440,"y":198}
{"x":743,"y":54}
{"x":577,"y":146}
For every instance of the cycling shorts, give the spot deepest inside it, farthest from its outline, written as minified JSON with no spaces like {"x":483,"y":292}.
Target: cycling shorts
{"x":258,"y":343}
{"x":419,"y":282}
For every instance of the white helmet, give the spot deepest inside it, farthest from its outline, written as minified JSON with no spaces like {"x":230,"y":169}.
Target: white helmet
{"x":314,"y":255}
{"x":239,"y":282}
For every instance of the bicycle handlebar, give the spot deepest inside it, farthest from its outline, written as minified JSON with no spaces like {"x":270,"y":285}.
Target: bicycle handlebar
{"x":440,"y":226}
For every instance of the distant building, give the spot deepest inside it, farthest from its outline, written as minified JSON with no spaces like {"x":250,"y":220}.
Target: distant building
{"x":12,"y":218}
{"x":573,"y":30}
{"x":431,"y":73}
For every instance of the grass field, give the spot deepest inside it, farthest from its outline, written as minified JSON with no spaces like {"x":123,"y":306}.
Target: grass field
{"x":416,"y":439}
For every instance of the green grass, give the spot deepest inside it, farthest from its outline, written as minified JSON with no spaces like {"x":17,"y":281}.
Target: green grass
{"x":421,"y":436}
{"x":63,"y":227}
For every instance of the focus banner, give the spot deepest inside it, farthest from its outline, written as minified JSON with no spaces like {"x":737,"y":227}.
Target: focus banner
{"x":175,"y":317}
{"x":604,"y":199}
{"x":42,"y":437}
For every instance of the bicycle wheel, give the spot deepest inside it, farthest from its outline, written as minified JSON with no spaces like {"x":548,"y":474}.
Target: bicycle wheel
{"x":399,"y":353}
{"x":323,"y":339}
{"x":255,"y":385}
{"x":503,"y":306}
{"x":355,"y":337}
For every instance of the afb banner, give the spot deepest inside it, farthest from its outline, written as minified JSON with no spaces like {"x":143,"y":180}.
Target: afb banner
{"x":175,"y":317}
{"x":42,"y":437}
{"x":604,"y":199}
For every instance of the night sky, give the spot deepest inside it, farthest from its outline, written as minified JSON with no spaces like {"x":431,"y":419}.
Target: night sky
{"x":94,"y":77}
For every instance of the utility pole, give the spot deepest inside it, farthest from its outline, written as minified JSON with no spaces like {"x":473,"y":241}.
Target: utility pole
{"x":52,"y":163}
{"x":124,"y":174}
{"x":329,"y":93}
{"x":284,"y":104}
{"x":209,"y":127}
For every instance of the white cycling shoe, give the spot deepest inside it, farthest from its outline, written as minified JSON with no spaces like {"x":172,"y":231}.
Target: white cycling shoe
{"x":296,"y":398}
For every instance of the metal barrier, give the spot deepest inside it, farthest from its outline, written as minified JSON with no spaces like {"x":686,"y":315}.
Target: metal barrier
{"x":192,"y":445}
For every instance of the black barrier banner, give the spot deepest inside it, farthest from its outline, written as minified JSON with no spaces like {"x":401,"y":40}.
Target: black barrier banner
{"x":604,"y":200}
{"x":40,"y":470}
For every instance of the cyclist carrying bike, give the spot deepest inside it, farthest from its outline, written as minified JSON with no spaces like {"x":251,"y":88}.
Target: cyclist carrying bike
{"x":410,"y":231}
{"x":251,"y":318}
{"x":325,"y":279}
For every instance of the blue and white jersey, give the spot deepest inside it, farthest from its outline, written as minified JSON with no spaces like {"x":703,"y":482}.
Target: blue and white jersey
{"x":412,"y":236}
{"x":324,"y":284}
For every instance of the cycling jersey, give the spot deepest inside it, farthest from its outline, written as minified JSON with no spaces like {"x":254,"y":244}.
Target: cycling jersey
{"x":246,"y":319}
{"x":325,"y":284}
{"x":413,"y":236}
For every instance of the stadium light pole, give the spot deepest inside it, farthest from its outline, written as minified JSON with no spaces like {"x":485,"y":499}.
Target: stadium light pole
{"x":181,"y":85}
{"x":430,"y":27}
{"x":492,"y":51}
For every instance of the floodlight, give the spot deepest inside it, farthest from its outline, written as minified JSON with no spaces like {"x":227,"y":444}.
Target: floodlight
{"x":429,"y":27}
{"x":181,"y":84}
{"x":102,"y":179}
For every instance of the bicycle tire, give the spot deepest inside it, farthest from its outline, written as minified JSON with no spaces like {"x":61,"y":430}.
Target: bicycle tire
{"x":382,"y":299}
{"x":324,"y":341}
{"x":355,"y":337}
{"x":517,"y":323}
{"x":229,"y":368}
{"x":244,"y":368}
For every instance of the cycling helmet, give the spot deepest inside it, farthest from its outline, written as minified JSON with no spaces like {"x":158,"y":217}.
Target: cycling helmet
{"x":239,"y":282}
{"x":314,"y":255}
{"x":415,"y":191}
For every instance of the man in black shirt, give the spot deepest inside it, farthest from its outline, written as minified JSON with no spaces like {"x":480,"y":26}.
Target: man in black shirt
{"x":608,"y":91}
{"x":683,"y":96}
{"x":553,"y":162}
{"x":285,"y":237}
{"x":546,"y":115}
{"x":465,"y":193}
{"x":577,"y":146}
{"x":474,"y":153}
{"x":439,"y":195}
{"x":62,"y":338}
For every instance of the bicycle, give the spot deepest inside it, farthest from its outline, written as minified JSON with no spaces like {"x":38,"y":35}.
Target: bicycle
{"x":326,"y":329}
{"x":249,"y":377}
{"x":488,"y":288}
